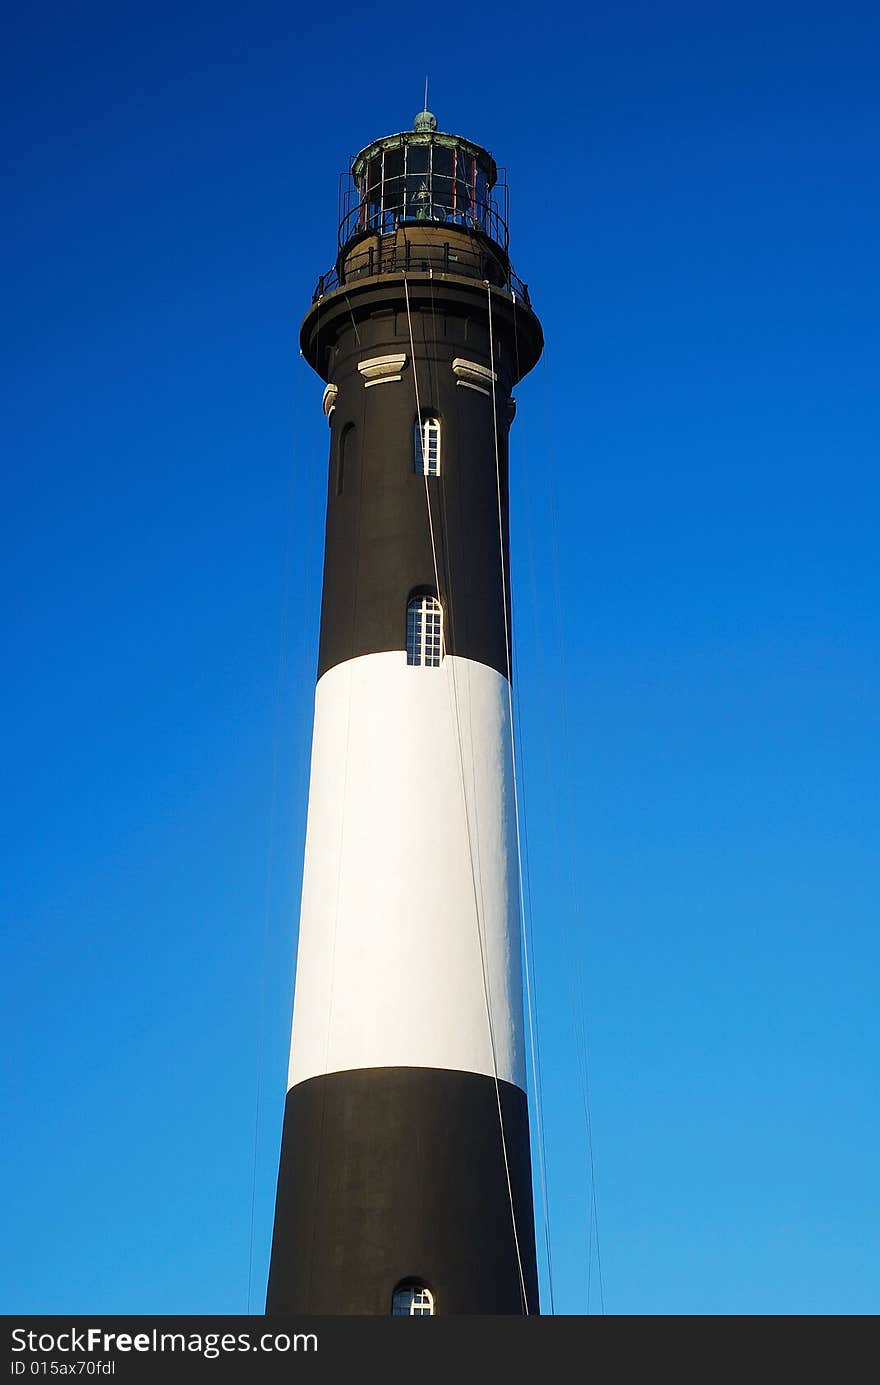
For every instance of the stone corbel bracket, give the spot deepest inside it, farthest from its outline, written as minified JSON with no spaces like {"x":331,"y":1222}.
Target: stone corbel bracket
{"x":473,"y":376}
{"x":328,"y":403}
{"x":381,"y":370}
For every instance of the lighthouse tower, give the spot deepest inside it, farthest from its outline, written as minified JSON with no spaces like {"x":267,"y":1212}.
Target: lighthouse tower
{"x":404,"y":1184}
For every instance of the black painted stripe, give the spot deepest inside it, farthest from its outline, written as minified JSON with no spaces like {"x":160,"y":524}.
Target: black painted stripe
{"x":378,"y":540}
{"x":395,"y":1173}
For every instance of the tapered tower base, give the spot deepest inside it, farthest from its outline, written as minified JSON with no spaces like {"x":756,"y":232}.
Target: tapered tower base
{"x":385,"y":1174}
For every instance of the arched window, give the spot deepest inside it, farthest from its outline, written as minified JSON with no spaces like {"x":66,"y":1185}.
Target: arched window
{"x":412,"y":1300}
{"x":424,"y":631}
{"x":345,"y":456}
{"x":426,"y":446}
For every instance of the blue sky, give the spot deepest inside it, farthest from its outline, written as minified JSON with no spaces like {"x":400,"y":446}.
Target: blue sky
{"x":694,"y":203}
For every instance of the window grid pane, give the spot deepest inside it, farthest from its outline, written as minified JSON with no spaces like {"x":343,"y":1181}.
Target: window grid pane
{"x":424,"y":632}
{"x":422,"y":1304}
{"x":426,"y":460}
{"x":412,"y":1301}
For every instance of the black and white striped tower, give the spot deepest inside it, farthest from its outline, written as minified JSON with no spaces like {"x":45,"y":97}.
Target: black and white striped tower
{"x":405,"y":1182}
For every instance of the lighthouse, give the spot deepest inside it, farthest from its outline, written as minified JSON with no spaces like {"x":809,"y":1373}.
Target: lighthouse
{"x":404,"y":1184}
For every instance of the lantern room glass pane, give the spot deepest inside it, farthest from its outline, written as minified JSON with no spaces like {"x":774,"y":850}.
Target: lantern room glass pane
{"x":464,"y":168}
{"x":482,"y":197}
{"x":441,"y":181}
{"x":418,"y":183}
{"x":374,"y":190}
{"x":393,"y":187}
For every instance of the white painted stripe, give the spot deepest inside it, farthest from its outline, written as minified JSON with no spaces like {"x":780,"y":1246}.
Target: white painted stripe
{"x":389,"y":964}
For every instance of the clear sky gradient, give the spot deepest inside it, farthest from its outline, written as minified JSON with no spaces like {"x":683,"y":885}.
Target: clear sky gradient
{"x":694,"y":204}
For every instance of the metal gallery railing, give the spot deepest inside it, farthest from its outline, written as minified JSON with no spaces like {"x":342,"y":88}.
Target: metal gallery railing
{"x":384,"y":218}
{"x":407,"y":253}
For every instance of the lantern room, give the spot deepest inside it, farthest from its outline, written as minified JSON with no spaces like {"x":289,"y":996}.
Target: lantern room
{"x":419,"y":176}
